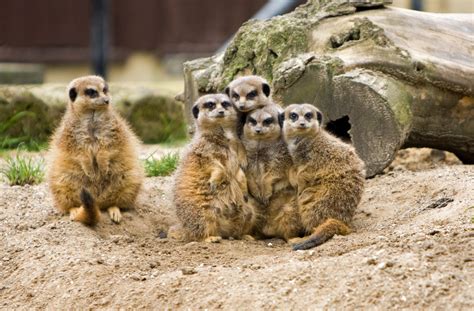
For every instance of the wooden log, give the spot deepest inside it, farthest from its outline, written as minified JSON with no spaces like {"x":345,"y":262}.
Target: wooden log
{"x":384,"y":78}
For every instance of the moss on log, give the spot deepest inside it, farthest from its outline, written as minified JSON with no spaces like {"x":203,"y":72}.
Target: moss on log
{"x":384,"y":78}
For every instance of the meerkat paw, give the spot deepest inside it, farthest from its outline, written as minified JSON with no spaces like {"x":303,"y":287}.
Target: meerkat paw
{"x":213,"y":239}
{"x":73,"y":212}
{"x":114,"y":213}
{"x":248,"y":237}
{"x":176,"y":232}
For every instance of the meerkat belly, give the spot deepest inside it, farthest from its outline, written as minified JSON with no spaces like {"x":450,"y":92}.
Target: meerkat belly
{"x":256,"y":179}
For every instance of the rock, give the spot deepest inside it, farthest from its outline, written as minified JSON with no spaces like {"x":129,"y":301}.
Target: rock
{"x":188,"y":271}
{"x":372,"y":261}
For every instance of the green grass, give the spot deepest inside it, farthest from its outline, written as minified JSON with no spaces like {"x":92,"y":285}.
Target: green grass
{"x":164,"y":166}
{"x":26,"y":142}
{"x":22,"y":170}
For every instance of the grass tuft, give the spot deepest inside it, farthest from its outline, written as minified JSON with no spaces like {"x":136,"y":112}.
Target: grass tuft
{"x":22,"y":170}
{"x":164,"y":166}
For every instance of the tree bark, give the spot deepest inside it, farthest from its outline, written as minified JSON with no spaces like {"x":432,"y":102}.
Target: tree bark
{"x":384,"y":78}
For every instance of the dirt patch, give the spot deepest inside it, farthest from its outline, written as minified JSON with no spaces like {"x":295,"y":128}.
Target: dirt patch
{"x":412,"y":249}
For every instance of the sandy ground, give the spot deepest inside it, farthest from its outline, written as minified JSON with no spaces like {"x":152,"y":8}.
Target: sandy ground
{"x":412,"y":249}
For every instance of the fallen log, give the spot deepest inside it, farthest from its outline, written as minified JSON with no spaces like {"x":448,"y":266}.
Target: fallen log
{"x":384,"y":78}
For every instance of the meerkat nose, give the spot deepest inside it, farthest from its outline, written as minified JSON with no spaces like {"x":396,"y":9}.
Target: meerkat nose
{"x":221,"y":112}
{"x":302,"y":124}
{"x":106,"y":100}
{"x":258,"y":130}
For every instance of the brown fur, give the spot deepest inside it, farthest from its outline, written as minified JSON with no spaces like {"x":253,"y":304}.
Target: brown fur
{"x":249,"y":93}
{"x":267,"y":172}
{"x":93,"y":148}
{"x":328,"y":174}
{"x":210,"y":191}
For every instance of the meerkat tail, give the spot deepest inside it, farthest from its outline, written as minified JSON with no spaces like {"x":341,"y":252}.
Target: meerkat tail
{"x":88,"y":213}
{"x":323,"y":233}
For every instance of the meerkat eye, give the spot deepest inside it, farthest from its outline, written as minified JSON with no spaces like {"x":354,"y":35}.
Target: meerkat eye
{"x":209,"y":105}
{"x":293,"y":116}
{"x":252,"y":121}
{"x":267,"y":121}
{"x":225,"y":104}
{"x":91,"y":93}
{"x":235,"y":96}
{"x":106,"y":89}
{"x":308,"y":116}
{"x":252,"y":94}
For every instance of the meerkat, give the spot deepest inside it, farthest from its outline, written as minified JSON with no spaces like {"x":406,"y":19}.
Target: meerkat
{"x":269,"y":163}
{"x":328,"y":174}
{"x":249,"y":93}
{"x":210,"y":190}
{"x":93,"y":160}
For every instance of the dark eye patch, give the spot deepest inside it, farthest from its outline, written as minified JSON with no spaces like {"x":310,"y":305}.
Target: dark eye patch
{"x":252,"y":121}
{"x":308,"y":116}
{"x":268,"y":121}
{"x":235,"y":96}
{"x":91,"y":93}
{"x":293,"y":116}
{"x":225,"y":104}
{"x":252,"y":94}
{"x":209,"y":105}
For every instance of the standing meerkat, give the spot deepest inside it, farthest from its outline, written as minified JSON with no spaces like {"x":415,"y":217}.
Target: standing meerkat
{"x":210,"y":191}
{"x":328,"y":174}
{"x":269,"y":163}
{"x":93,"y":160}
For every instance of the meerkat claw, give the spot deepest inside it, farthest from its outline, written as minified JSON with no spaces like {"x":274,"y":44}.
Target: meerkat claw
{"x":114,"y":213}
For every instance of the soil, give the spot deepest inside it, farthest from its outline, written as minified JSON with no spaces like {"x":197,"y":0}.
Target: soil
{"x":412,"y":248}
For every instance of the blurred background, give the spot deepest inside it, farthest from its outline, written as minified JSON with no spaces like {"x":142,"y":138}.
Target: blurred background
{"x":139,"y":46}
{"x":141,"y":41}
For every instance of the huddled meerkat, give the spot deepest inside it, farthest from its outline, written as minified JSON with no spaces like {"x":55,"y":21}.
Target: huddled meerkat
{"x":267,"y":173}
{"x":210,"y":191}
{"x":93,"y":160}
{"x":249,"y":93}
{"x":328,"y":174}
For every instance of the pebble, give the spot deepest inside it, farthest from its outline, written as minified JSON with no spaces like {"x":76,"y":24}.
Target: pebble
{"x":371,"y":261}
{"x":188,"y":271}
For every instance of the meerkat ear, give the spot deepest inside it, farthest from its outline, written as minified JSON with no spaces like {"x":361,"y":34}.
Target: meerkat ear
{"x":72,"y":94}
{"x":319,"y":116}
{"x":281,"y":119}
{"x":195,"y":111}
{"x":227,"y":91}
{"x":266,"y":89}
